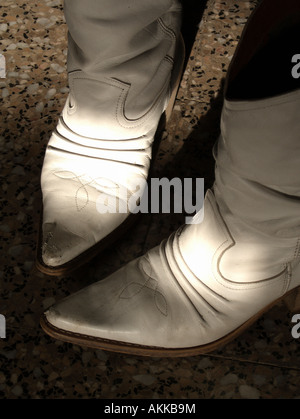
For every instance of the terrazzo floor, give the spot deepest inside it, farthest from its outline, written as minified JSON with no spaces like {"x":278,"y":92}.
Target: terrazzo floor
{"x":263,"y":363}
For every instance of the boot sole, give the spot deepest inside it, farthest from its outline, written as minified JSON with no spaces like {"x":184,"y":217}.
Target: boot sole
{"x":90,"y":253}
{"x":152,"y":351}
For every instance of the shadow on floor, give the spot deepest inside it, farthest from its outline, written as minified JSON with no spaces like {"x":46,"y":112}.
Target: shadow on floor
{"x":192,"y":12}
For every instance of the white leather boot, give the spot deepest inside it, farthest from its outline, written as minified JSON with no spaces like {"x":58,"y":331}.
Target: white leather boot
{"x":209,"y":281}
{"x":125,"y":61}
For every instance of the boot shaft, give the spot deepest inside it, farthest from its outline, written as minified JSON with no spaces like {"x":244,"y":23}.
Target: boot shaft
{"x":258,"y":152}
{"x":133,"y":42}
{"x":123,"y":62}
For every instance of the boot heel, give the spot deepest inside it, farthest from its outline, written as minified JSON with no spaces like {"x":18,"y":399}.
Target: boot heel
{"x":292,"y":301}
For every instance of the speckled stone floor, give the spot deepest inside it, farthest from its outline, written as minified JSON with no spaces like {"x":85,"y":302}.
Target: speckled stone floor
{"x":264,"y":362}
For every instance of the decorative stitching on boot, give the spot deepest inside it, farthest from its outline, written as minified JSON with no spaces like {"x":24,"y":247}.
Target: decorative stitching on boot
{"x":161,"y":303}
{"x":297,"y":249}
{"x":82,"y":189}
{"x":168,"y":31}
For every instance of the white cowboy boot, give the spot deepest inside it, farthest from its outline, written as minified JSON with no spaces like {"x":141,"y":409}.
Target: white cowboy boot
{"x":209,"y":281}
{"x":123,"y":75}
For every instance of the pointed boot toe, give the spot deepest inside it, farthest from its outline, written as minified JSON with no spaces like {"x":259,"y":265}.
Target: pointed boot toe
{"x":60,"y":245}
{"x":186,"y":297}
{"x":132,"y":311}
{"x":74,"y":227}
